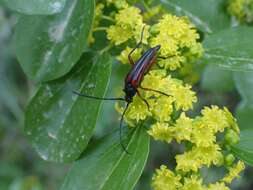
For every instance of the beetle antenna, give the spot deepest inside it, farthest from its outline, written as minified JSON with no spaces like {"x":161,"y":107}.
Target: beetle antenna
{"x":120,"y":129}
{"x":97,"y":98}
{"x":157,"y":91}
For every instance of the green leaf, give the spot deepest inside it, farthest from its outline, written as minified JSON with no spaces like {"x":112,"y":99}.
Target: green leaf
{"x":230,"y":49}
{"x":31,"y":7}
{"x":47,"y":47}
{"x":208,"y":15}
{"x":217,"y":80}
{"x":244,"y":85}
{"x":59,"y":123}
{"x":107,"y":167}
{"x":244,"y":113}
{"x":244,"y":150}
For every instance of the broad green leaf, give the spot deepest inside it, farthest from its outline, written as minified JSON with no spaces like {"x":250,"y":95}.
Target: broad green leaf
{"x":230,"y":49}
{"x":106,"y":166}
{"x":244,"y":149}
{"x":208,"y":15}
{"x":217,"y":80}
{"x":244,"y":113}
{"x":59,"y":123}
{"x":244,"y":85}
{"x":47,"y":47}
{"x":31,"y":7}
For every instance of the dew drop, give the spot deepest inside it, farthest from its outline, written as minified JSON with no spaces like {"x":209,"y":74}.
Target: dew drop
{"x":52,"y":135}
{"x":60,"y":103}
{"x":56,"y":6}
{"x":91,"y":85}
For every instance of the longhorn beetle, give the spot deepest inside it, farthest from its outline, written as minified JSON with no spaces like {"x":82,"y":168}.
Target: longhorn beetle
{"x":133,"y":80}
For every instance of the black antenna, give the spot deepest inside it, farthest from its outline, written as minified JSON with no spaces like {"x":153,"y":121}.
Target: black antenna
{"x":122,"y":117}
{"x":157,"y":91}
{"x":97,"y":98}
{"x":120,"y":129}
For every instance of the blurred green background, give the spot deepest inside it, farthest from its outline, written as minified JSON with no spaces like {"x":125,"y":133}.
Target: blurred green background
{"x":22,"y":169}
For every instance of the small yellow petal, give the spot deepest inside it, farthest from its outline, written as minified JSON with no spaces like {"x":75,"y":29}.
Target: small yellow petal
{"x":165,"y":179}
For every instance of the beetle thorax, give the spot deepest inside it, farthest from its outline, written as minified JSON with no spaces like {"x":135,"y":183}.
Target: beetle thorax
{"x":130,"y":92}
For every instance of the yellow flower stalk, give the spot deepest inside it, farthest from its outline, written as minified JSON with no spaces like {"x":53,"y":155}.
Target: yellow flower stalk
{"x":193,"y":183}
{"x":165,"y":179}
{"x":167,"y":112}
{"x":217,"y":186}
{"x":234,"y":172}
{"x":161,"y":131}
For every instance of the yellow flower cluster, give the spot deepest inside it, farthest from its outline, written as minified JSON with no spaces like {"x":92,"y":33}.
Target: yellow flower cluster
{"x":169,"y":99}
{"x":241,"y":9}
{"x":160,"y":106}
{"x":176,"y":35}
{"x":205,"y":150}
{"x":165,"y":179}
{"x":123,"y":57}
{"x":129,"y":24}
{"x":234,"y":171}
{"x":178,"y":40}
{"x":119,"y":4}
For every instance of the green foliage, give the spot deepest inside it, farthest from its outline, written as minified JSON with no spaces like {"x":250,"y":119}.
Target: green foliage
{"x":110,"y":164}
{"x":230,"y":49}
{"x":217,"y":80}
{"x":49,"y":52}
{"x":50,"y":39}
{"x":35,"y":7}
{"x":244,"y":82}
{"x":244,"y":112}
{"x":209,"y":16}
{"x":244,"y":150}
{"x":60,"y":123}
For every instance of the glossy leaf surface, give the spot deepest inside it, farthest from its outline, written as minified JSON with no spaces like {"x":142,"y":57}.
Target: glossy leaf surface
{"x":59,"y":123}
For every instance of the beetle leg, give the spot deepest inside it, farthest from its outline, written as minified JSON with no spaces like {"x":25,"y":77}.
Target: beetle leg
{"x":137,"y":46}
{"x":161,"y":57}
{"x":143,"y":99}
{"x":157,"y":91}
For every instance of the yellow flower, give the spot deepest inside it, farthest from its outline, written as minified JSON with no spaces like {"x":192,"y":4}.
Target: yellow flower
{"x":234,"y":172}
{"x":162,"y":108}
{"x":119,"y":4}
{"x":183,"y":95}
{"x":231,"y":120}
{"x":217,"y":186}
{"x":137,"y":110}
{"x":169,"y":46}
{"x":236,"y":8}
{"x":129,"y":24}
{"x":129,"y":17}
{"x":164,"y":179}
{"x":152,"y":12}
{"x":241,"y":9}
{"x":193,"y":183}
{"x":178,"y":38}
{"x":215,"y":118}
{"x":202,"y":134}
{"x":188,"y":161}
{"x":199,"y":156}
{"x":157,"y":80}
{"x":123,"y":57}
{"x":183,"y":128}
{"x":161,"y":131}
{"x":172,"y":63}
{"x":209,"y":155}
{"x":118,"y":35}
